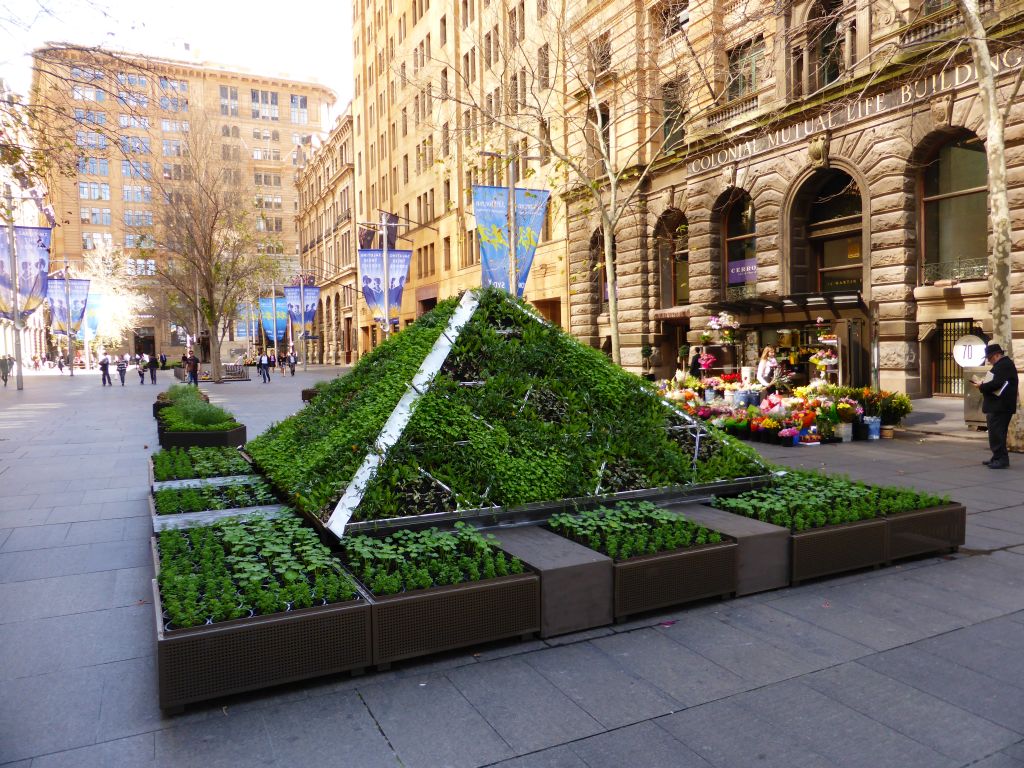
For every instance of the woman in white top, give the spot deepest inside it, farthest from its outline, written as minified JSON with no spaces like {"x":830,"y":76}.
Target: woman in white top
{"x":767,"y":368}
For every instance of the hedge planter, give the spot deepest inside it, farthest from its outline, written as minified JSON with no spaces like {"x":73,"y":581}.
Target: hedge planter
{"x":210,"y":439}
{"x":426,"y":621}
{"x":230,"y":657}
{"x":839,"y":548}
{"x":649,"y":582}
{"x":936,"y":529}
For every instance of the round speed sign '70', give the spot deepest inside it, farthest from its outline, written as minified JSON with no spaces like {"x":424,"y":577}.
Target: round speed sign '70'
{"x":969,"y":351}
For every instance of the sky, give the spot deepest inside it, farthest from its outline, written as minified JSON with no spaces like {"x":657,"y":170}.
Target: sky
{"x":304,"y":41}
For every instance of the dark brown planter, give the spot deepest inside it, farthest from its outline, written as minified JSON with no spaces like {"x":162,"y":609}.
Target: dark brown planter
{"x":673,"y":578}
{"x":230,"y":438}
{"x":309,"y":394}
{"x":839,"y":548}
{"x":230,"y":657}
{"x":936,"y":529}
{"x":444,"y":618}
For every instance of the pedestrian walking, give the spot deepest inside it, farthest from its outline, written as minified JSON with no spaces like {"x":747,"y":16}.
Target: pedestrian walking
{"x":163,"y":362}
{"x":60,"y":364}
{"x":263,"y":365}
{"x":291,"y":362}
{"x":999,"y":403}
{"x":193,"y":369}
{"x":272,"y":364}
{"x":105,"y":371}
{"x":152,"y":369}
{"x":5,"y":369}
{"x":140,"y":368}
{"x":122,"y":369}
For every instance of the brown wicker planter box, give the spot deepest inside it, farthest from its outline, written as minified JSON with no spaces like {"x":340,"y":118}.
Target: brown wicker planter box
{"x":444,"y":618}
{"x":671,"y":578}
{"x":839,"y":548}
{"x":229,"y":657}
{"x":936,"y":529}
{"x":309,"y":394}
{"x":229,"y":438}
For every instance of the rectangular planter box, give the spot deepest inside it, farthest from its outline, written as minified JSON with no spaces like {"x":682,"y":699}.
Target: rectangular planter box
{"x":839,"y":548}
{"x":936,"y":529}
{"x":576,"y":583}
{"x":205,"y":517}
{"x":672,"y":578}
{"x":230,"y":438}
{"x":439,"y":619}
{"x":230,"y":657}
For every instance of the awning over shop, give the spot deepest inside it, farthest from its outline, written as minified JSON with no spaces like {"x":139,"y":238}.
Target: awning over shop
{"x":806,"y":305}
{"x":677,"y":314}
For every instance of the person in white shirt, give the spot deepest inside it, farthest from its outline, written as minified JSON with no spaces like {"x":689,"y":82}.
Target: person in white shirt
{"x":767,"y":369}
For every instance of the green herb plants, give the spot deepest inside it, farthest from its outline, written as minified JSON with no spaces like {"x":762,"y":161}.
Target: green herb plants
{"x":188,"y":463}
{"x":630,"y":529}
{"x":408,"y":560}
{"x":231,"y":570}
{"x":804,"y":500}
{"x":194,"y":415}
{"x":173,"y":501}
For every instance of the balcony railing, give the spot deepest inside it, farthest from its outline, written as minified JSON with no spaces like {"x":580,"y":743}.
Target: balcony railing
{"x":960,"y":269}
{"x":745,"y":291}
{"x":733,"y":109}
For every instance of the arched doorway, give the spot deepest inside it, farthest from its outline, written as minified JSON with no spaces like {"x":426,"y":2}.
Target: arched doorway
{"x":827,"y":235}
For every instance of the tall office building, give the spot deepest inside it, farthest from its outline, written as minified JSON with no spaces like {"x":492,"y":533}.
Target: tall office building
{"x":130,"y":115}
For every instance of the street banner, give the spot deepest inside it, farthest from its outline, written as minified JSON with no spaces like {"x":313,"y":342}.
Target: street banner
{"x":32,"y":249}
{"x":490,"y":206}
{"x":56,"y":294}
{"x":371,"y":268}
{"x":93,"y":312}
{"x":366,"y":237}
{"x":302,"y":301}
{"x":267,"y":316}
{"x":391,"y":230}
{"x":242,"y":321}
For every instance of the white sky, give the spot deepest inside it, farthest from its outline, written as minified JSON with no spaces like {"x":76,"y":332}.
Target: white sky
{"x":303,"y":41}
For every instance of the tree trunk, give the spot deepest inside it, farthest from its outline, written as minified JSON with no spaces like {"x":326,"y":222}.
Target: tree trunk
{"x":998,"y":200}
{"x":608,"y":234}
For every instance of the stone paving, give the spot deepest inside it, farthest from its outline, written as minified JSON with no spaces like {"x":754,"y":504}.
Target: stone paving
{"x":920,"y":664}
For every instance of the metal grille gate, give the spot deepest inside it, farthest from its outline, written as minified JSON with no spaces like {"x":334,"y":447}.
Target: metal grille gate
{"x":949,"y":377}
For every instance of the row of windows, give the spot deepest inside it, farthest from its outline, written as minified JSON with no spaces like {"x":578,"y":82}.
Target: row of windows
{"x":138,"y":218}
{"x":100,"y":216}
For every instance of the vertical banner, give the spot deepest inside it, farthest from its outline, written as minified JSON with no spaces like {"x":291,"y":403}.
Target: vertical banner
{"x":302,"y":301}
{"x":391,"y":230}
{"x":242,"y":322}
{"x":531,"y":207}
{"x":371,"y":271}
{"x":56,"y":294}
{"x":366,"y":237}
{"x":267,"y":316}
{"x":93,"y":314}
{"x":490,"y":206}
{"x":32,"y":247}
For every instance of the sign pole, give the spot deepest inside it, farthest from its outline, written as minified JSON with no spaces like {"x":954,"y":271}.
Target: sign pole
{"x":302,"y":314}
{"x":273,"y":326}
{"x":387,"y":284}
{"x":67,"y":328}
{"x":513,"y":267}
{"x":14,"y":286}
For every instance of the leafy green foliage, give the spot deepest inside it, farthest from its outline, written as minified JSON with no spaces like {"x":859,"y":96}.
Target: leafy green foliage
{"x":188,"y":463}
{"x":630,"y":529}
{"x":804,"y":500}
{"x":312,"y":455}
{"x":173,"y":501}
{"x":408,"y":560}
{"x":224,"y":571}
{"x":189,"y":414}
{"x":177,"y":392}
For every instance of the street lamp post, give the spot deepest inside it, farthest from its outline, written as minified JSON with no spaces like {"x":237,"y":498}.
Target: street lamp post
{"x":15,"y":311}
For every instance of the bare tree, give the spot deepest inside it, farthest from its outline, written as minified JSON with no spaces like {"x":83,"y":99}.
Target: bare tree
{"x":213,"y":242}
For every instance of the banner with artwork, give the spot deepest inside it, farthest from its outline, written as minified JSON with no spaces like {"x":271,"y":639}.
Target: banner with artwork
{"x":490,"y":207}
{"x":243,"y":318}
{"x":32,"y":249}
{"x":371,"y":270}
{"x":268,"y":310}
{"x":93,"y":314}
{"x":57,"y":292}
{"x":302,"y":301}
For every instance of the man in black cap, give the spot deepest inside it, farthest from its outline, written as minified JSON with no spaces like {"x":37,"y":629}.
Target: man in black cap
{"x":999,"y":403}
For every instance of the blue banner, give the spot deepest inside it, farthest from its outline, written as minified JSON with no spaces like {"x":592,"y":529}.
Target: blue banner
{"x":490,"y":206}
{"x":32,"y":248}
{"x":302,"y":300}
{"x":57,"y":295}
{"x":267,"y":311}
{"x":371,"y":269}
{"x":93,"y":310}
{"x":242,"y":321}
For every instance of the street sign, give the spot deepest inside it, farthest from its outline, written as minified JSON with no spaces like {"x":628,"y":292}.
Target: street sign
{"x":969,"y":351}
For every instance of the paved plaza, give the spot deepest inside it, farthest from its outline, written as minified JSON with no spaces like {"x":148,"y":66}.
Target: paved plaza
{"x":920,"y":664}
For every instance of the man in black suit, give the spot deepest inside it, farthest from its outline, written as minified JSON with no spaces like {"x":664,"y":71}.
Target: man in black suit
{"x":999,"y":392}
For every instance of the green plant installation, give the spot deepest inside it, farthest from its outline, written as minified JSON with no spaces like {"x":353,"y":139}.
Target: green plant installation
{"x":189,"y":463}
{"x":630,"y":529}
{"x":804,"y":500}
{"x":174,"y":501}
{"x":195,"y":415}
{"x":230,"y":570}
{"x":408,"y":560}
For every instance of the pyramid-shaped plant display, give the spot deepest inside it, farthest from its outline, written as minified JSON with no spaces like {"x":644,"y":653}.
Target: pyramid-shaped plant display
{"x":518,"y":412}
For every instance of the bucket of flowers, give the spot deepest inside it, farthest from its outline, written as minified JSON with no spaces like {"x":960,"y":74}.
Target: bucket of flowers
{"x":789,"y":435}
{"x":824,"y":358}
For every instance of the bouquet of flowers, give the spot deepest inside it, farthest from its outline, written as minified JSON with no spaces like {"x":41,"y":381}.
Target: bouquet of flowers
{"x":789,"y":432}
{"x":848,"y":410}
{"x":706,"y":360}
{"x":725,"y":324}
{"x":713,"y":382}
{"x":824,"y":357}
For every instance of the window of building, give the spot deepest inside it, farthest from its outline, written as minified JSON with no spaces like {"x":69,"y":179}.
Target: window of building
{"x":133,"y":121}
{"x":597,"y":258}
{"x":94,"y":166}
{"x":672,"y":114}
{"x":740,"y":240}
{"x":600,"y":51}
{"x":229,"y":101}
{"x":745,"y":64}
{"x":264,"y":104}
{"x":299,"y":110}
{"x":671,"y":236}
{"x":544,"y":67}
{"x":954,"y":194}
{"x":672,"y":17}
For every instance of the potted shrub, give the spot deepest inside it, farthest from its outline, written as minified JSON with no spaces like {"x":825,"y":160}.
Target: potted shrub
{"x":660,"y":558}
{"x":243,"y":606}
{"x":435,"y":590}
